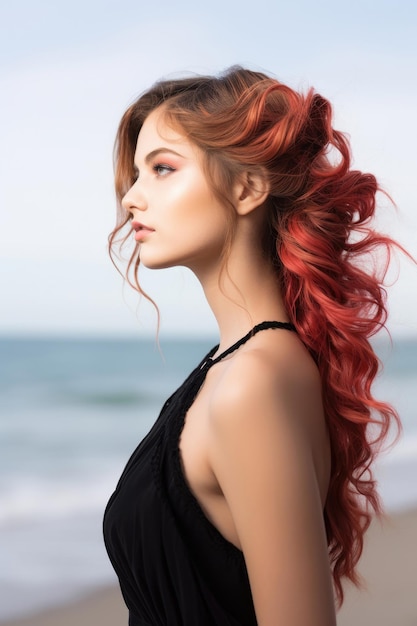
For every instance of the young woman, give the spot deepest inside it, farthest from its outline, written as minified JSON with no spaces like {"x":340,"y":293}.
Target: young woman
{"x":248,"y":500}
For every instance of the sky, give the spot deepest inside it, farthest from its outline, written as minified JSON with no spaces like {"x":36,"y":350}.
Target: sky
{"x":68,"y":70}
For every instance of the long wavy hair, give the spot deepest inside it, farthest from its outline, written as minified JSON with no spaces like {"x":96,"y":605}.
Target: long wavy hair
{"x":330,"y":262}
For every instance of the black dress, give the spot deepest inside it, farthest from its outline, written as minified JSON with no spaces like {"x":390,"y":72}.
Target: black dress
{"x":174,"y":567}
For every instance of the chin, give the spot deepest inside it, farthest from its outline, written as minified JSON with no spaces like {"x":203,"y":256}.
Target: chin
{"x":156,"y":264}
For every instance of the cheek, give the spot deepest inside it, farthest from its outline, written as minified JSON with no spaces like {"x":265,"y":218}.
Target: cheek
{"x":190,"y":196}
{"x":190,"y":217}
{"x":202,"y":208}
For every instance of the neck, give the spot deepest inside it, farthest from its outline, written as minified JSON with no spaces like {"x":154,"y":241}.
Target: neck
{"x":242,"y":294}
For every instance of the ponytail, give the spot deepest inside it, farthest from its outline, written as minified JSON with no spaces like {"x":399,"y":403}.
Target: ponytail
{"x":332,"y":284}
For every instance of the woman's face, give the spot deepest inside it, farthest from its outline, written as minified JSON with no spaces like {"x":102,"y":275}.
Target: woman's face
{"x":177,"y":219}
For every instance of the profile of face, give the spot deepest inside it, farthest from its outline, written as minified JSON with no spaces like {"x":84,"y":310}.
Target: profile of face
{"x":175,"y":214}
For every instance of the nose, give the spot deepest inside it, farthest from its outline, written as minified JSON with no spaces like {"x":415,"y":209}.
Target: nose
{"x":134,"y":199}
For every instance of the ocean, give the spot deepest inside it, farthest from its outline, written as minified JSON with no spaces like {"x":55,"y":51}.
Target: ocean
{"x":71,"y":413}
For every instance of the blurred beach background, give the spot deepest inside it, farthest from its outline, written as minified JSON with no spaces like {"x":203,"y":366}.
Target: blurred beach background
{"x":72,"y":411}
{"x":81,"y":376}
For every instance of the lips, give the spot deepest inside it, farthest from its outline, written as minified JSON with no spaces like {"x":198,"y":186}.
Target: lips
{"x":141,"y":230}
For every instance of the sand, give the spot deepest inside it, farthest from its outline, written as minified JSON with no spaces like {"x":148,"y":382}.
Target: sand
{"x":102,"y":608}
{"x":389,"y":564}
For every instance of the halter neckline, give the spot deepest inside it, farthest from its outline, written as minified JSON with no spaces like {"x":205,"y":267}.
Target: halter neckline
{"x":256,"y":329}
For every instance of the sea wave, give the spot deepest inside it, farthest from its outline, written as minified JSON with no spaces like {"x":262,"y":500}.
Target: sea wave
{"x":29,"y":500}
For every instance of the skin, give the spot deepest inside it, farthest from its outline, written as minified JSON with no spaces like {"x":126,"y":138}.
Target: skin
{"x":254,"y":448}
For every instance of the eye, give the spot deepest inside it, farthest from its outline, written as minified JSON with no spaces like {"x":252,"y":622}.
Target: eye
{"x":162,"y":169}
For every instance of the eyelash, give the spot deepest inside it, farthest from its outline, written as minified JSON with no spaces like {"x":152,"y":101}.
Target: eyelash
{"x":162,"y":166}
{"x":156,"y":168}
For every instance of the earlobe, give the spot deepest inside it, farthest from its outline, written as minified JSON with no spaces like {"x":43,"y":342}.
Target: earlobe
{"x":252,"y":192}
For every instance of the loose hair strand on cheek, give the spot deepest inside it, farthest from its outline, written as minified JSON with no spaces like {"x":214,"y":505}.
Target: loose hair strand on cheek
{"x":121,"y":236}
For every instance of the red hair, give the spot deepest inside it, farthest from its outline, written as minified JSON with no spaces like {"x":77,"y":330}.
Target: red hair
{"x":320,"y":239}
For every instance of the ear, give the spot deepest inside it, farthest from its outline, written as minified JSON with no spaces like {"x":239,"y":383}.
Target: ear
{"x":250,"y":192}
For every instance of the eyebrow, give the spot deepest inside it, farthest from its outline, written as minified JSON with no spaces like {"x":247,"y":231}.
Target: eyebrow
{"x":149,"y":157}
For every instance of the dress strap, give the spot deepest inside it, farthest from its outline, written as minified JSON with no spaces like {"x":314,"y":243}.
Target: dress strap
{"x":251,"y":333}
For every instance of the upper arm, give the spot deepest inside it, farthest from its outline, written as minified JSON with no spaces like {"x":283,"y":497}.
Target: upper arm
{"x":261,"y":454}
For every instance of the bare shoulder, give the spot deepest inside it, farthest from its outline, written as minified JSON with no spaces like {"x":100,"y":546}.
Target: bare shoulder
{"x":274,"y":374}
{"x":269,"y":399}
{"x":268,"y":453}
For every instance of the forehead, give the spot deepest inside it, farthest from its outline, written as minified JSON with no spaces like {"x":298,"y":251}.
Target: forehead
{"x":156,"y":133}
